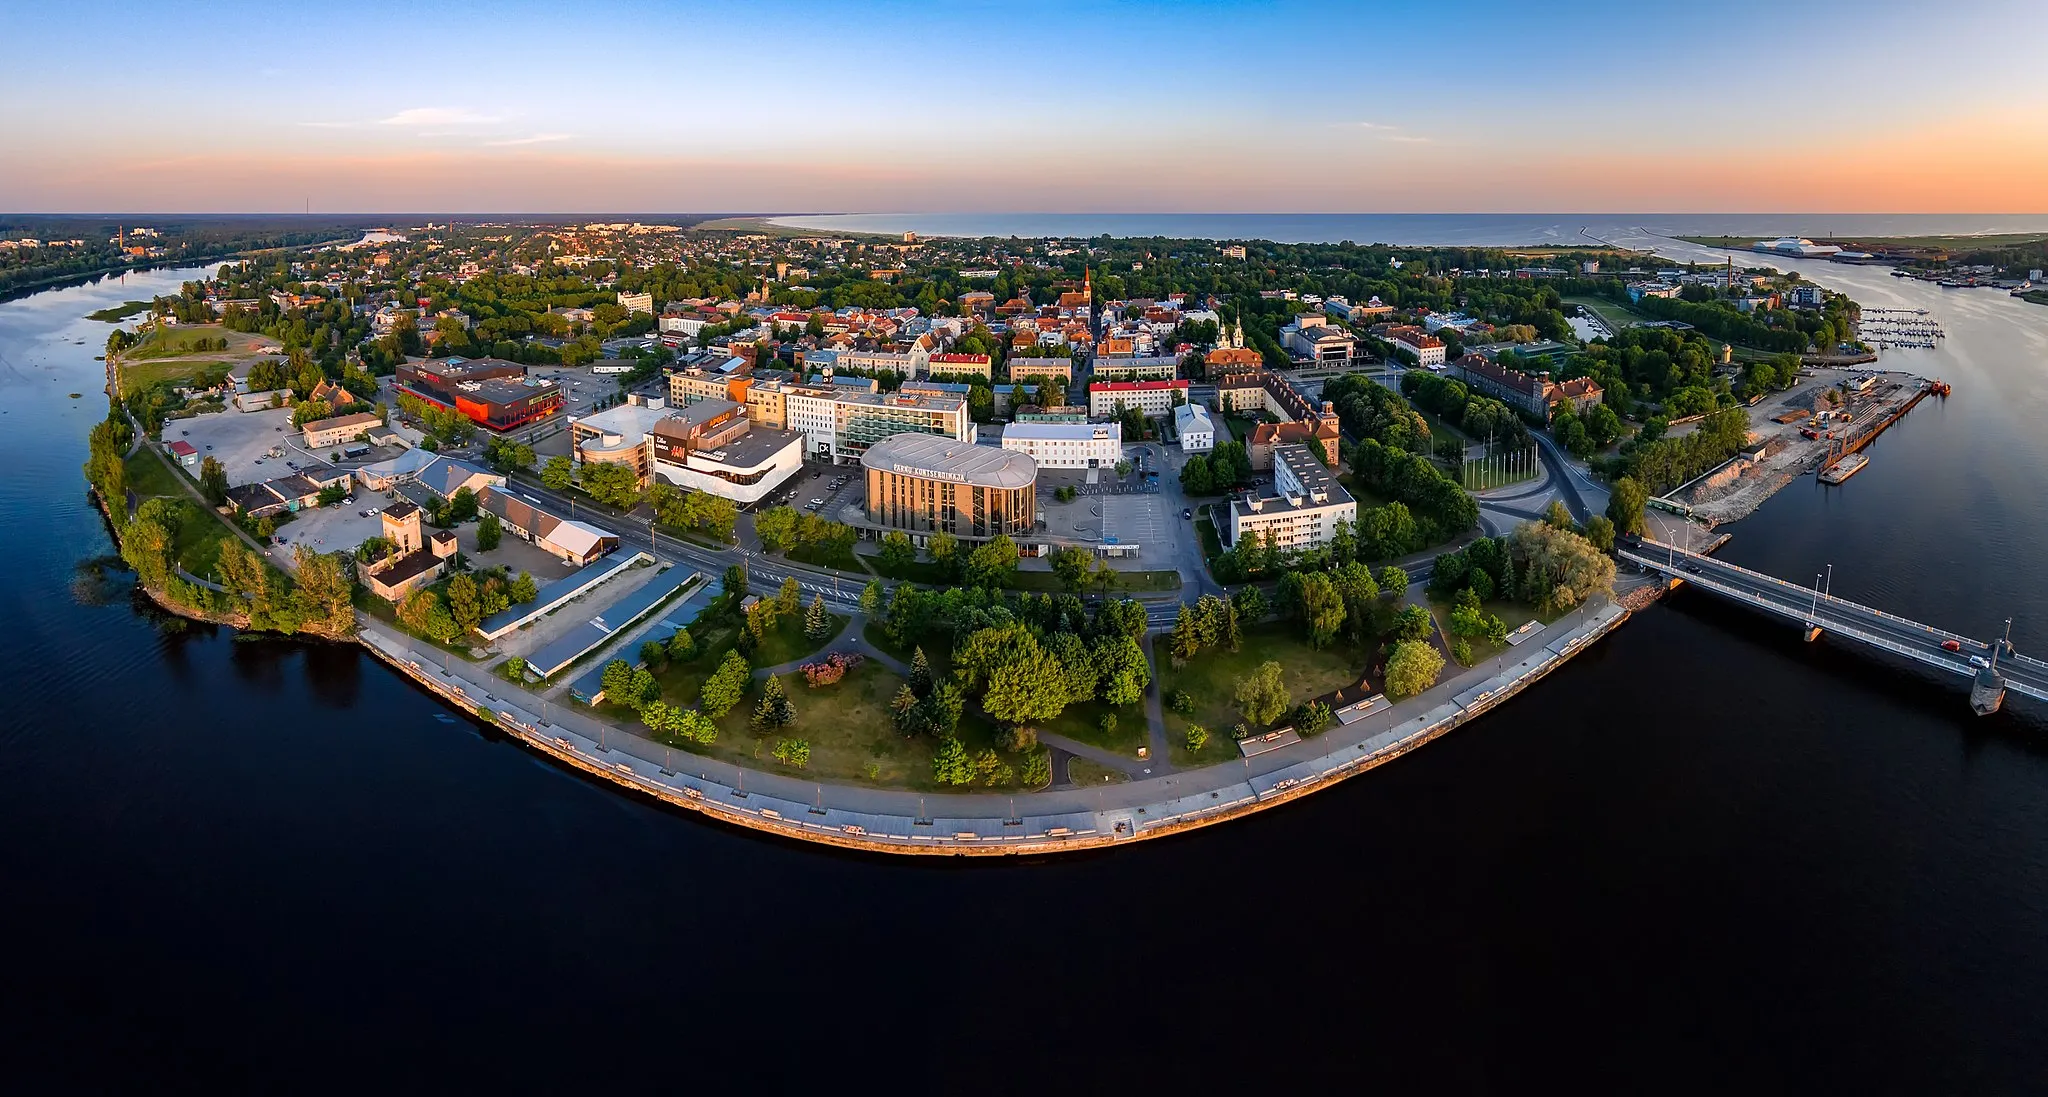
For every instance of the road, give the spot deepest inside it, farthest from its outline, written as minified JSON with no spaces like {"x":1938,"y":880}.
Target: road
{"x":1840,"y":617}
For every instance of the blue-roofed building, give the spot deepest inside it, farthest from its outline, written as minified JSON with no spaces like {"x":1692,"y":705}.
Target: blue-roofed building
{"x":594,"y":633}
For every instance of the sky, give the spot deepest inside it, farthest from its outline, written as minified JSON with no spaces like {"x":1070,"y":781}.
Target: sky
{"x":1880,"y":106}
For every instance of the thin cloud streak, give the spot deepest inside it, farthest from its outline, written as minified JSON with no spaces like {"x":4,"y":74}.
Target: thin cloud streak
{"x":536,"y":139}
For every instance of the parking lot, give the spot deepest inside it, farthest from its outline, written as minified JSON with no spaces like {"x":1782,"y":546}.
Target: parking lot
{"x":333,"y":529}
{"x":239,"y":440}
{"x":817,"y":482}
{"x":1139,"y":520}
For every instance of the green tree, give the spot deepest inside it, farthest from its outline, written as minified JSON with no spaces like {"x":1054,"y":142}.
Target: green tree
{"x":774,"y":709}
{"x":1600,"y":532}
{"x":682,"y":647}
{"x":558,"y":473}
{"x":695,"y":726}
{"x":1393,"y":582}
{"x":789,"y":597}
{"x":920,"y":680}
{"x":488,"y":532}
{"x":1072,"y":566}
{"x":1262,"y":695}
{"x":726,"y":685}
{"x":464,"y":603}
{"x":1197,"y":738}
{"x":949,"y":763}
{"x":1625,"y":501}
{"x":1412,"y":667}
{"x":1312,"y":718}
{"x":1557,"y":516}
{"x":1322,"y":608}
{"x":817,"y":622}
{"x":795,"y":753}
{"x":213,"y":482}
{"x":944,"y":549}
{"x":1037,"y":769}
{"x":523,"y":590}
{"x":612,"y":485}
{"x":991,"y":565}
{"x":653,"y":652}
{"x":871,"y":598}
{"x":1412,"y":623}
{"x":617,"y":681}
{"x":734,"y":585}
{"x":1123,"y":671}
{"x":897,"y":551}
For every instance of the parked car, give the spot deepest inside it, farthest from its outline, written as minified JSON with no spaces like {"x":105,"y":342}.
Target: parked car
{"x":817,"y":503}
{"x":1951,"y":645}
{"x":1188,"y":513}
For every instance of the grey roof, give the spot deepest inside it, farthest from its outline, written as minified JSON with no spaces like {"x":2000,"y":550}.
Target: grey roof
{"x":754,"y":447}
{"x":940,"y":458}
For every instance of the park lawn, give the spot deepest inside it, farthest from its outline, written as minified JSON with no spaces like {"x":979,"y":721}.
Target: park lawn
{"x":1084,"y":773}
{"x":1219,"y":749}
{"x":1082,"y":722}
{"x":788,"y":642}
{"x":847,"y":724}
{"x":1512,"y":614}
{"x":181,"y":340}
{"x":150,"y":475}
{"x":838,"y":554}
{"x":1211,"y":678}
{"x":1205,"y":528}
{"x":136,"y":376}
{"x":114,"y":314}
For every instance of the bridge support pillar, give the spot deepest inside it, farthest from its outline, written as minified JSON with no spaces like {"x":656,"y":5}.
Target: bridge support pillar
{"x":1812,"y":633}
{"x":1987,"y":693}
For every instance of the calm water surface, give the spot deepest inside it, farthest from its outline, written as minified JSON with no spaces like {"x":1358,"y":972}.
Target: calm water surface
{"x":1703,"y":857}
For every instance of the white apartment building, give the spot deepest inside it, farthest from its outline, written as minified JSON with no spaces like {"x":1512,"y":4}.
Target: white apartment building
{"x":808,"y":411}
{"x":1067,"y":445}
{"x":1427,"y":349}
{"x":1197,"y":431}
{"x":1150,"y":368}
{"x":1153,"y":398}
{"x":637,"y":302}
{"x":1304,"y":509}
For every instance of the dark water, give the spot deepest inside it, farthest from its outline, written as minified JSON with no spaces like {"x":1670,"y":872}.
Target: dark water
{"x":1444,"y":229}
{"x":1704,"y":857}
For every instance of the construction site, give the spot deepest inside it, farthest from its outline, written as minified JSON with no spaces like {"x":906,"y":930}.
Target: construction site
{"x":1817,"y":427}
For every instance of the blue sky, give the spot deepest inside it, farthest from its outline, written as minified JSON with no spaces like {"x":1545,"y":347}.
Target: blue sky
{"x":1018,"y":106}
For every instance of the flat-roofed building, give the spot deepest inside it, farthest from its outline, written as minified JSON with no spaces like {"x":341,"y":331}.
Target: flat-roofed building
{"x":925,"y":484}
{"x":1067,"y":445}
{"x":1303,"y":510}
{"x":618,"y":436}
{"x":864,"y":419}
{"x":713,"y":447}
{"x":719,"y":380}
{"x":491,"y":391}
{"x":1153,"y":398}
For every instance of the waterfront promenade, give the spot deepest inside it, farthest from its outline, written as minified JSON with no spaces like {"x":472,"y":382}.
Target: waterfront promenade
{"x":968,"y":824}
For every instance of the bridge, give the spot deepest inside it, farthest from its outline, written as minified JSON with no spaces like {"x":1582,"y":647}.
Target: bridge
{"x":1816,"y":611}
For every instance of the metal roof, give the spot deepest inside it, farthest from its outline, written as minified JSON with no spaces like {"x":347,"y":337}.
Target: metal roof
{"x":935,"y":457}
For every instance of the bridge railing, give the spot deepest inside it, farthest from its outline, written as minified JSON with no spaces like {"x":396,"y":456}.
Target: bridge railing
{"x":1808,"y":593}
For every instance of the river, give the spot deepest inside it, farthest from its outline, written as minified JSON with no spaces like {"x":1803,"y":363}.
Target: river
{"x":1702,"y":857}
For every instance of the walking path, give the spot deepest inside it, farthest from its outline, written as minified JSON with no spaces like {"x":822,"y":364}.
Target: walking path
{"x":969,"y":823}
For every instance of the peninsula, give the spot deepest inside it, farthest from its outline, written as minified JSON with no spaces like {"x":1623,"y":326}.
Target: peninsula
{"x":956,"y":546}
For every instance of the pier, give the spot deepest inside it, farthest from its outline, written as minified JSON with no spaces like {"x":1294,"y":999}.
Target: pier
{"x":1818,"y":612}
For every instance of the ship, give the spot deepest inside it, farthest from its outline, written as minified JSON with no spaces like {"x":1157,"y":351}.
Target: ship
{"x":1843,"y":469}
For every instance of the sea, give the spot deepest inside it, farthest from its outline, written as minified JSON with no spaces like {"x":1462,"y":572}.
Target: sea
{"x":1703,"y":857}
{"x":1423,"y":229}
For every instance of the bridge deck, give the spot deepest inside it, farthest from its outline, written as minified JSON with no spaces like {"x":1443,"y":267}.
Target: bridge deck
{"x":1839,"y":616}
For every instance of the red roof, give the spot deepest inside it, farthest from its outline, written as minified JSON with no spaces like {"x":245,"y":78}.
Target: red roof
{"x":1135,"y":386}
{"x":183,"y":448}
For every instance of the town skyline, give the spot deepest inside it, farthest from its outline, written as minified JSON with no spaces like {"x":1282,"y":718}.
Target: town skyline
{"x":1474,"y":107}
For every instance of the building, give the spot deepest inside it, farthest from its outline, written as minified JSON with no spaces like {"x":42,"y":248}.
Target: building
{"x":1639,"y":290}
{"x":1303,"y":511}
{"x":923,"y":484}
{"x":414,"y":562}
{"x":1357,"y":314}
{"x":619,"y":436}
{"x":711,"y":446}
{"x":491,"y":392}
{"x":1320,"y":430}
{"x":1067,"y":445}
{"x":902,"y":363}
{"x":1027,"y":368}
{"x":1536,"y":394}
{"x":637,"y":302}
{"x":1153,"y":398}
{"x":1311,"y":337}
{"x":1427,"y":349}
{"x":322,"y":433}
{"x":1197,"y":431}
{"x":727,"y":379}
{"x":860,"y":420}
{"x":1794,"y":245}
{"x":961,"y":365}
{"x":1807,"y":295}
{"x":444,"y":476}
{"x":529,"y":519}
{"x":1164,"y":367}
{"x":185,"y":453}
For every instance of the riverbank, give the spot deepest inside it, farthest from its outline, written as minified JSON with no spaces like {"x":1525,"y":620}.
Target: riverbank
{"x":905,"y":823}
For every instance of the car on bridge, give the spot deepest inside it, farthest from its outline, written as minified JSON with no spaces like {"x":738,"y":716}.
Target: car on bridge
{"x":1951,"y":645}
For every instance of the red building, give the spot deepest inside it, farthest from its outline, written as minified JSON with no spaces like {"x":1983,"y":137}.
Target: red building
{"x":492,"y":392}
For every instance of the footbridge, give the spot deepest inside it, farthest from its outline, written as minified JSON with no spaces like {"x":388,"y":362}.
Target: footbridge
{"x":1992,"y":668}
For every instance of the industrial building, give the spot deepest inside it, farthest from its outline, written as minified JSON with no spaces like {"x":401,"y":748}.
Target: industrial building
{"x":491,"y":392}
